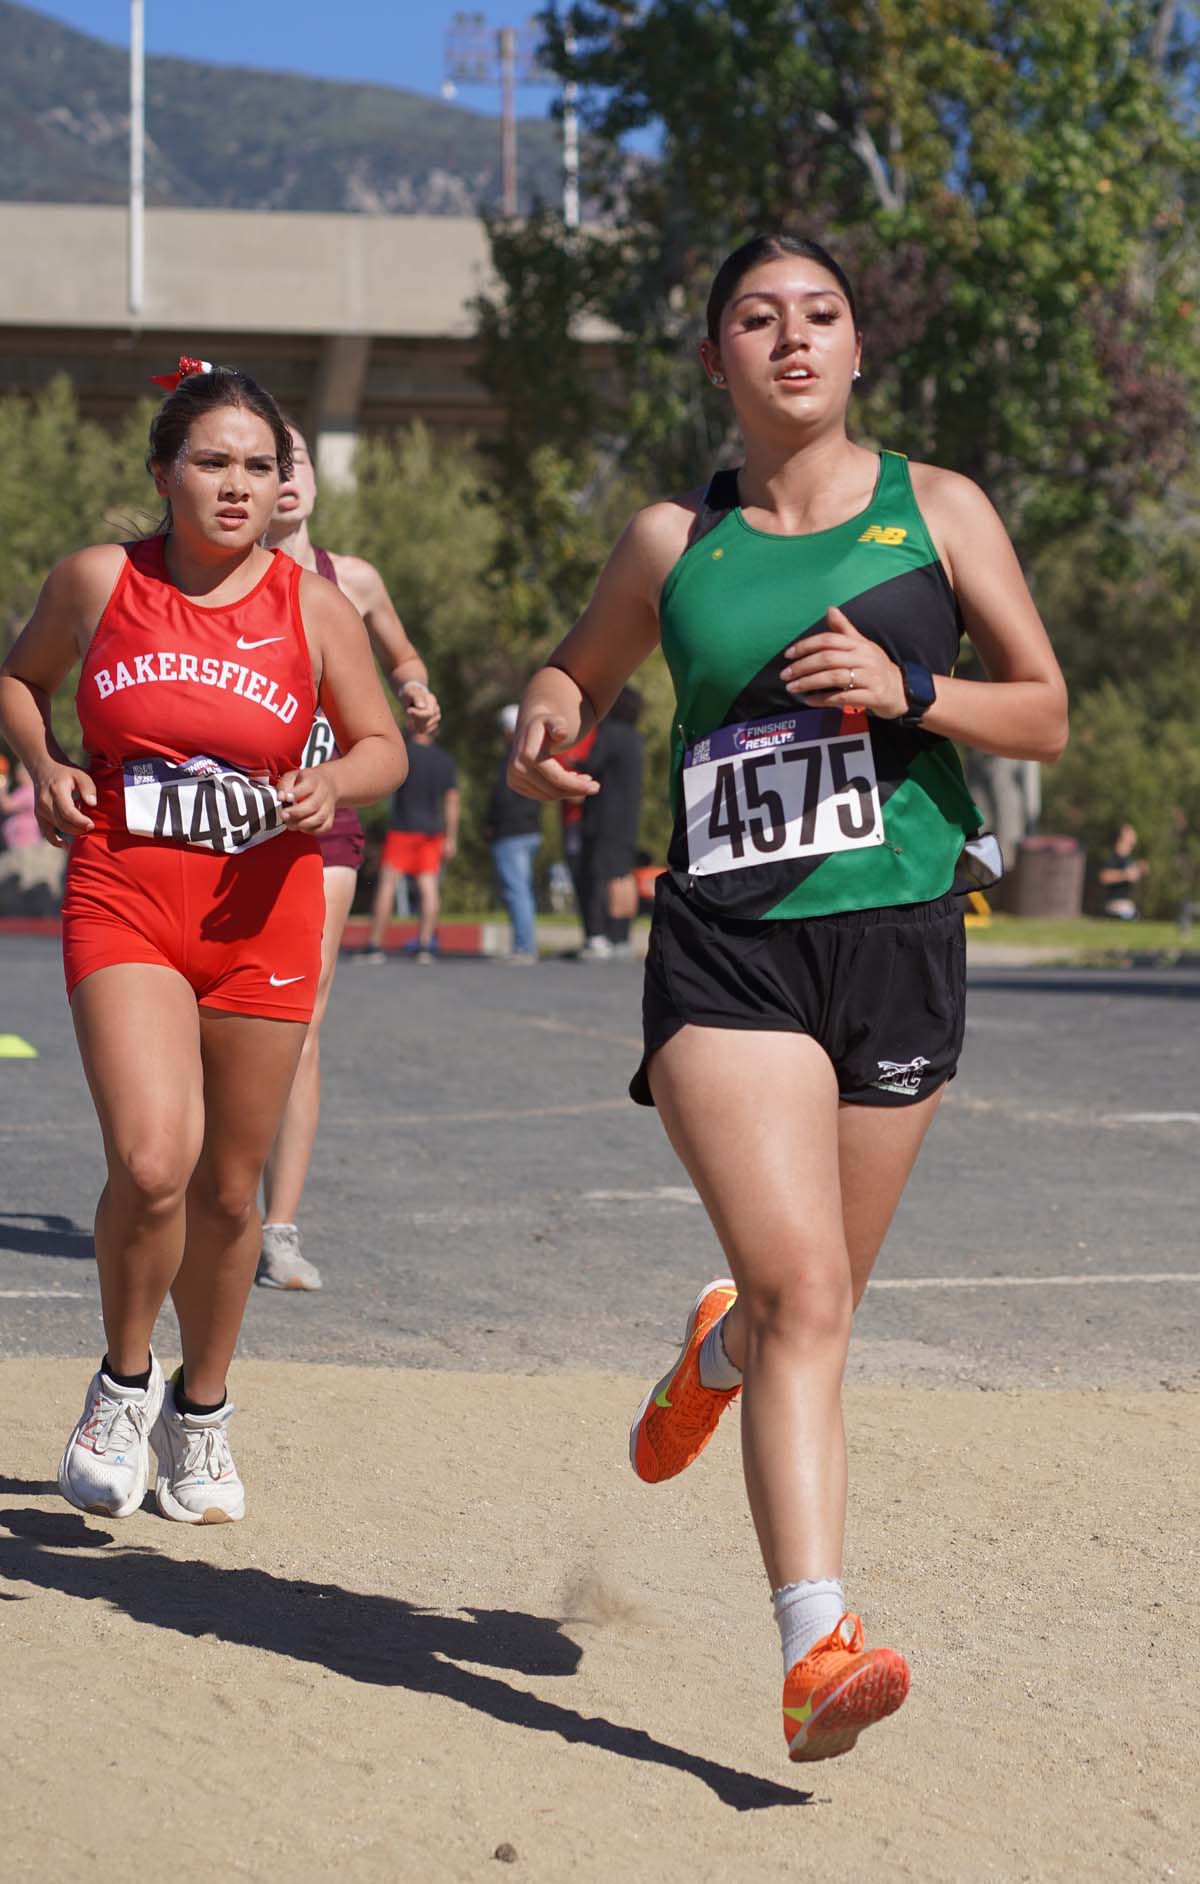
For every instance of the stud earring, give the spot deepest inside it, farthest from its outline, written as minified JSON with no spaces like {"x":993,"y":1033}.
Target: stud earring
{"x":718,"y":379}
{"x":857,"y":374}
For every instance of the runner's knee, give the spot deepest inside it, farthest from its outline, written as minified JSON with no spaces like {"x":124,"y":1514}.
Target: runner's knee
{"x":230,"y":1200}
{"x":153,"y":1174}
{"x":805,"y":1310}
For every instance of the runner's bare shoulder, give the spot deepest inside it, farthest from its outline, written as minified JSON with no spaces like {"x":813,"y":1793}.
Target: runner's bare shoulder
{"x":77,"y":591}
{"x":959,"y":514}
{"x":357,"y":578}
{"x":948,"y":495}
{"x":87,"y":577}
{"x":657,"y":536}
{"x":326,"y":610}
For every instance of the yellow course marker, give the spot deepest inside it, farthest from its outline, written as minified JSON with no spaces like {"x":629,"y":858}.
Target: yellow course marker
{"x":12,"y":1047}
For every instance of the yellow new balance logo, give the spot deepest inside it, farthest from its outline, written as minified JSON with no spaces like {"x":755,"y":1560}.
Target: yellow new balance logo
{"x":882,"y":533}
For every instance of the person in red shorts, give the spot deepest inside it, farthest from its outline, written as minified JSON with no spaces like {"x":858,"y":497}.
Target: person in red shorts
{"x":282,"y":1263}
{"x":194,"y":905}
{"x":423,"y":835}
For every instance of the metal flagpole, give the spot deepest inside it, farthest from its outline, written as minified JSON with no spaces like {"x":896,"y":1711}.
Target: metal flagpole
{"x":507,"y":47}
{"x":137,"y":159}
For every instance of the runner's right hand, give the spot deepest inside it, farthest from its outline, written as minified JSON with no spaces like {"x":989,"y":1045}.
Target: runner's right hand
{"x":536,"y":773}
{"x":59,"y":817}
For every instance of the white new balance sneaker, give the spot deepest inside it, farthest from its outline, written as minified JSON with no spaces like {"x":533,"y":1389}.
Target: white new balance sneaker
{"x":197,"y":1480}
{"x":106,"y":1465}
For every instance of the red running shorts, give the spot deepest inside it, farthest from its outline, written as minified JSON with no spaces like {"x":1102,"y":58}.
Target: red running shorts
{"x":244,"y":931}
{"x":413,"y":853}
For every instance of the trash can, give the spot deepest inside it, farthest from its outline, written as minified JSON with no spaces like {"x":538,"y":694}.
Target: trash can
{"x":1049,"y":874}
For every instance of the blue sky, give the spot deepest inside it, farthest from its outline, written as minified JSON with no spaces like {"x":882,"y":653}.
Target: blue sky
{"x":394,"y":42}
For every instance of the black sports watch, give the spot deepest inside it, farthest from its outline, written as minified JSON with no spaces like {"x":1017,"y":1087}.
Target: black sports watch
{"x":919,"y":692}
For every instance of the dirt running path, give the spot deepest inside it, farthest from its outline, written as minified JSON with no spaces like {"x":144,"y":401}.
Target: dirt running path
{"x":454,"y":1622}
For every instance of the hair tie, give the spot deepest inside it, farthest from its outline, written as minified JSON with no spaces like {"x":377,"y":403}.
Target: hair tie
{"x":186,"y":368}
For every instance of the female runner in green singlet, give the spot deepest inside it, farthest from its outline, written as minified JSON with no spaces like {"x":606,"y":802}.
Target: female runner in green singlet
{"x":804,"y":991}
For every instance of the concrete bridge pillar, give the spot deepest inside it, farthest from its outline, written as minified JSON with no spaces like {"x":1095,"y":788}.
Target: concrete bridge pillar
{"x":336,"y":402}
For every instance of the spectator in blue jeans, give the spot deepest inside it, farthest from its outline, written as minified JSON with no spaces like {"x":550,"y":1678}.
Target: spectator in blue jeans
{"x":514,"y":831}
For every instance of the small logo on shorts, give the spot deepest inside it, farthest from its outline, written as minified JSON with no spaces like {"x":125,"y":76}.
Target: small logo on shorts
{"x":901,"y":1075}
{"x":285,"y":981}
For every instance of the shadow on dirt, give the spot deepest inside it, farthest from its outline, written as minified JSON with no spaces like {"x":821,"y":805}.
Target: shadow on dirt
{"x":377,"y":1639}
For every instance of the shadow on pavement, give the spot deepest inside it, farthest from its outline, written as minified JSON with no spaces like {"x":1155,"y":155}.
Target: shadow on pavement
{"x":1084,"y":981}
{"x":377,"y":1639}
{"x":56,"y":1236}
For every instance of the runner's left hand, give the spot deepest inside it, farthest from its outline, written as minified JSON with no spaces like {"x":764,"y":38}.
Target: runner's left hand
{"x":841,"y":668}
{"x":421,"y":707}
{"x":309,"y":799}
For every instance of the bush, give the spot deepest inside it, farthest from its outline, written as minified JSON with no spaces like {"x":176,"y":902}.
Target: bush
{"x":1130,"y":758}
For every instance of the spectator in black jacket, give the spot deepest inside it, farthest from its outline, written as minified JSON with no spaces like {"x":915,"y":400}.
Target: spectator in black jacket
{"x":610,"y":830}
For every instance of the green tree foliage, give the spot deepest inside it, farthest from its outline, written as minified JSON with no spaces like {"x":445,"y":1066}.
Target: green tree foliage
{"x":422,"y":512}
{"x":1009,"y":184}
{"x":487,"y":570}
{"x":483,"y":596}
{"x":64,"y":482}
{"x":1131,"y":758}
{"x":557,"y":522}
{"x":1125,"y":604}
{"x":1013,"y":190}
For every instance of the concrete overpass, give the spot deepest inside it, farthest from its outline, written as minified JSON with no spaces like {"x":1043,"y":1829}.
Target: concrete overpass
{"x":353,"y":322}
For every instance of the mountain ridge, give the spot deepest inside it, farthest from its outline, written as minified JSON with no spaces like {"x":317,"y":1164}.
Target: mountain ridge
{"x":237,"y":137}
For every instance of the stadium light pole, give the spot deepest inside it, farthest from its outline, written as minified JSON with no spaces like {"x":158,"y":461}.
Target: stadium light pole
{"x":570,"y":124}
{"x":479,"y":54}
{"x":137,"y":160}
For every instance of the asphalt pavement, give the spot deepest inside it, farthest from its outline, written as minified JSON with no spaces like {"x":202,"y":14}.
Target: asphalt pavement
{"x":484,"y":1196}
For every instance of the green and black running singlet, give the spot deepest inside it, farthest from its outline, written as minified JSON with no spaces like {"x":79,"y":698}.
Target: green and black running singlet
{"x":784,"y":810}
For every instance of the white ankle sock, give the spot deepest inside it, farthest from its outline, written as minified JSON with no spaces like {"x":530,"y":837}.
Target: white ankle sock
{"x":717,"y":1371}
{"x":805,"y":1612}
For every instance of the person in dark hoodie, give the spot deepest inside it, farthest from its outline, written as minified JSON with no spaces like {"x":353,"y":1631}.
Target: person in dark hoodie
{"x":610,"y":830}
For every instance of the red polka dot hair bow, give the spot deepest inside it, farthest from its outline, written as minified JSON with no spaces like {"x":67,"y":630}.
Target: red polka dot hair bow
{"x":186,"y":367}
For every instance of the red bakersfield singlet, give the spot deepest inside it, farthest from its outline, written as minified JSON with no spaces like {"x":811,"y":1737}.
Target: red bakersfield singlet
{"x":167,"y":678}
{"x":190,"y":716}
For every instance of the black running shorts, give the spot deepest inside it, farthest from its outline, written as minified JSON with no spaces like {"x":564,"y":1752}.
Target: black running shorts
{"x":882,"y":990}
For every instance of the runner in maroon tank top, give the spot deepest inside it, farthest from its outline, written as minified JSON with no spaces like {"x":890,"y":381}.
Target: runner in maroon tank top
{"x":281,"y":1264}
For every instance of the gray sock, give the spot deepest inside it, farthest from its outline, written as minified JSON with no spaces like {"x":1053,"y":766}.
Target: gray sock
{"x":717,"y":1371}
{"x":805,"y":1612}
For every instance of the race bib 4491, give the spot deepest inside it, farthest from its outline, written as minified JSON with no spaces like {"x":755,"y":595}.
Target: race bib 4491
{"x":802,"y":785}
{"x":202,"y":802}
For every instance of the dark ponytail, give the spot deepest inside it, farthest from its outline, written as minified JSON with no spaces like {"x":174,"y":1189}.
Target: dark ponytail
{"x":768,"y":248}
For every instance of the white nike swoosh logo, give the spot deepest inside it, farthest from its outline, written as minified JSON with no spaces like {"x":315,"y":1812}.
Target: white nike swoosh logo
{"x":284,"y":981}
{"x":246,"y":646}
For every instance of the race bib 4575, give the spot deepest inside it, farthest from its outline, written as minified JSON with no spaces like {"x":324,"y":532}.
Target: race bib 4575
{"x":202,"y":802}
{"x":801,"y":785}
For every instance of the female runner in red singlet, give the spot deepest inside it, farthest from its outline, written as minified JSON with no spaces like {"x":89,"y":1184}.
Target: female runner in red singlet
{"x":282,"y":1264}
{"x":193,"y":911}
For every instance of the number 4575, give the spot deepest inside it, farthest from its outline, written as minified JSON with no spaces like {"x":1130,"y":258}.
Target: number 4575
{"x":766,"y":822}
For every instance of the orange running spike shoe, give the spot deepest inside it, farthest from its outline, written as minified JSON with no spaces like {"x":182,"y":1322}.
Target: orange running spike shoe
{"x":837,"y":1690}
{"x":679,"y":1416}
